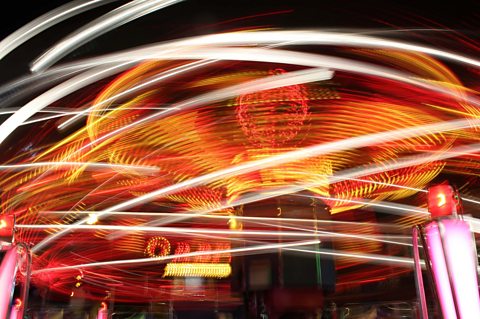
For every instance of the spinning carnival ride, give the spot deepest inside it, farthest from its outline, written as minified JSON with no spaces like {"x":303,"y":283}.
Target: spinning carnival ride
{"x":131,"y":172}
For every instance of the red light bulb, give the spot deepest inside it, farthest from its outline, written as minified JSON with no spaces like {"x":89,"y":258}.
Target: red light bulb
{"x":442,"y":200}
{"x":6,"y":228}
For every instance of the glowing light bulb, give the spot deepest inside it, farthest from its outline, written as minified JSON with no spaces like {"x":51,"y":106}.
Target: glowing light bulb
{"x":442,"y":200}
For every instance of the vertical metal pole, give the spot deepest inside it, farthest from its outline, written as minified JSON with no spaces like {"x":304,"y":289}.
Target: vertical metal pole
{"x":418,"y":276}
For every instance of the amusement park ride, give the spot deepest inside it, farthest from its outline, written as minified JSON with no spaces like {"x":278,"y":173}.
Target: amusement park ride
{"x":252,"y":172}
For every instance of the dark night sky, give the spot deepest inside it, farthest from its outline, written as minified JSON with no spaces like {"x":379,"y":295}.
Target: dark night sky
{"x":456,"y":12}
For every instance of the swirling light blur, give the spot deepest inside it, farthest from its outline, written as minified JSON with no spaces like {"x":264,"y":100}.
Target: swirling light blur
{"x":198,"y":128}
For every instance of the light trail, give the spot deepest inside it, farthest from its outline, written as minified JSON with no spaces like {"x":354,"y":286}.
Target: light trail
{"x":321,"y":233}
{"x":298,"y":37}
{"x":355,"y":142}
{"x":91,"y":76}
{"x":340,"y":176}
{"x":52,"y":95}
{"x":155,"y":80}
{"x":243,"y":233}
{"x":254,"y":249}
{"x":225,"y":217}
{"x":471,"y":200}
{"x":278,"y":56}
{"x":86,"y":165}
{"x":408,"y":209}
{"x":259,"y":55}
{"x":271,"y":82}
{"x":15,"y":91}
{"x":266,"y":83}
{"x":382,"y":259}
{"x":289,"y":57}
{"x":109,"y":21}
{"x":263,"y":55}
{"x":405,"y":207}
{"x":60,"y":114}
{"x":191,"y":230}
{"x":372,"y":182}
{"x":46,"y":21}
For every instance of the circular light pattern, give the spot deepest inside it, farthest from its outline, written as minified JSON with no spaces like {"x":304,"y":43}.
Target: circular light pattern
{"x":274,"y":117}
{"x":157,"y":247}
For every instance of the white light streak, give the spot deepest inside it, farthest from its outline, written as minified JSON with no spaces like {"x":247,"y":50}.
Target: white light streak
{"x":243,"y":233}
{"x":46,"y":21}
{"x":86,"y":165}
{"x":393,"y":260}
{"x":254,"y":249}
{"x":109,"y":21}
{"x":250,"y":54}
{"x":297,"y":37}
{"x":316,"y":150}
{"x":389,"y":206}
{"x":227,"y":217}
{"x":155,"y":80}
{"x":279,"y":56}
{"x":52,"y":95}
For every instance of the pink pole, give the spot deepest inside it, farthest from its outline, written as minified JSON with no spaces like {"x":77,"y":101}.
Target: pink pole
{"x":461,"y":261}
{"x":418,"y":275}
{"x":440,"y":271}
{"x":8,"y":269}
